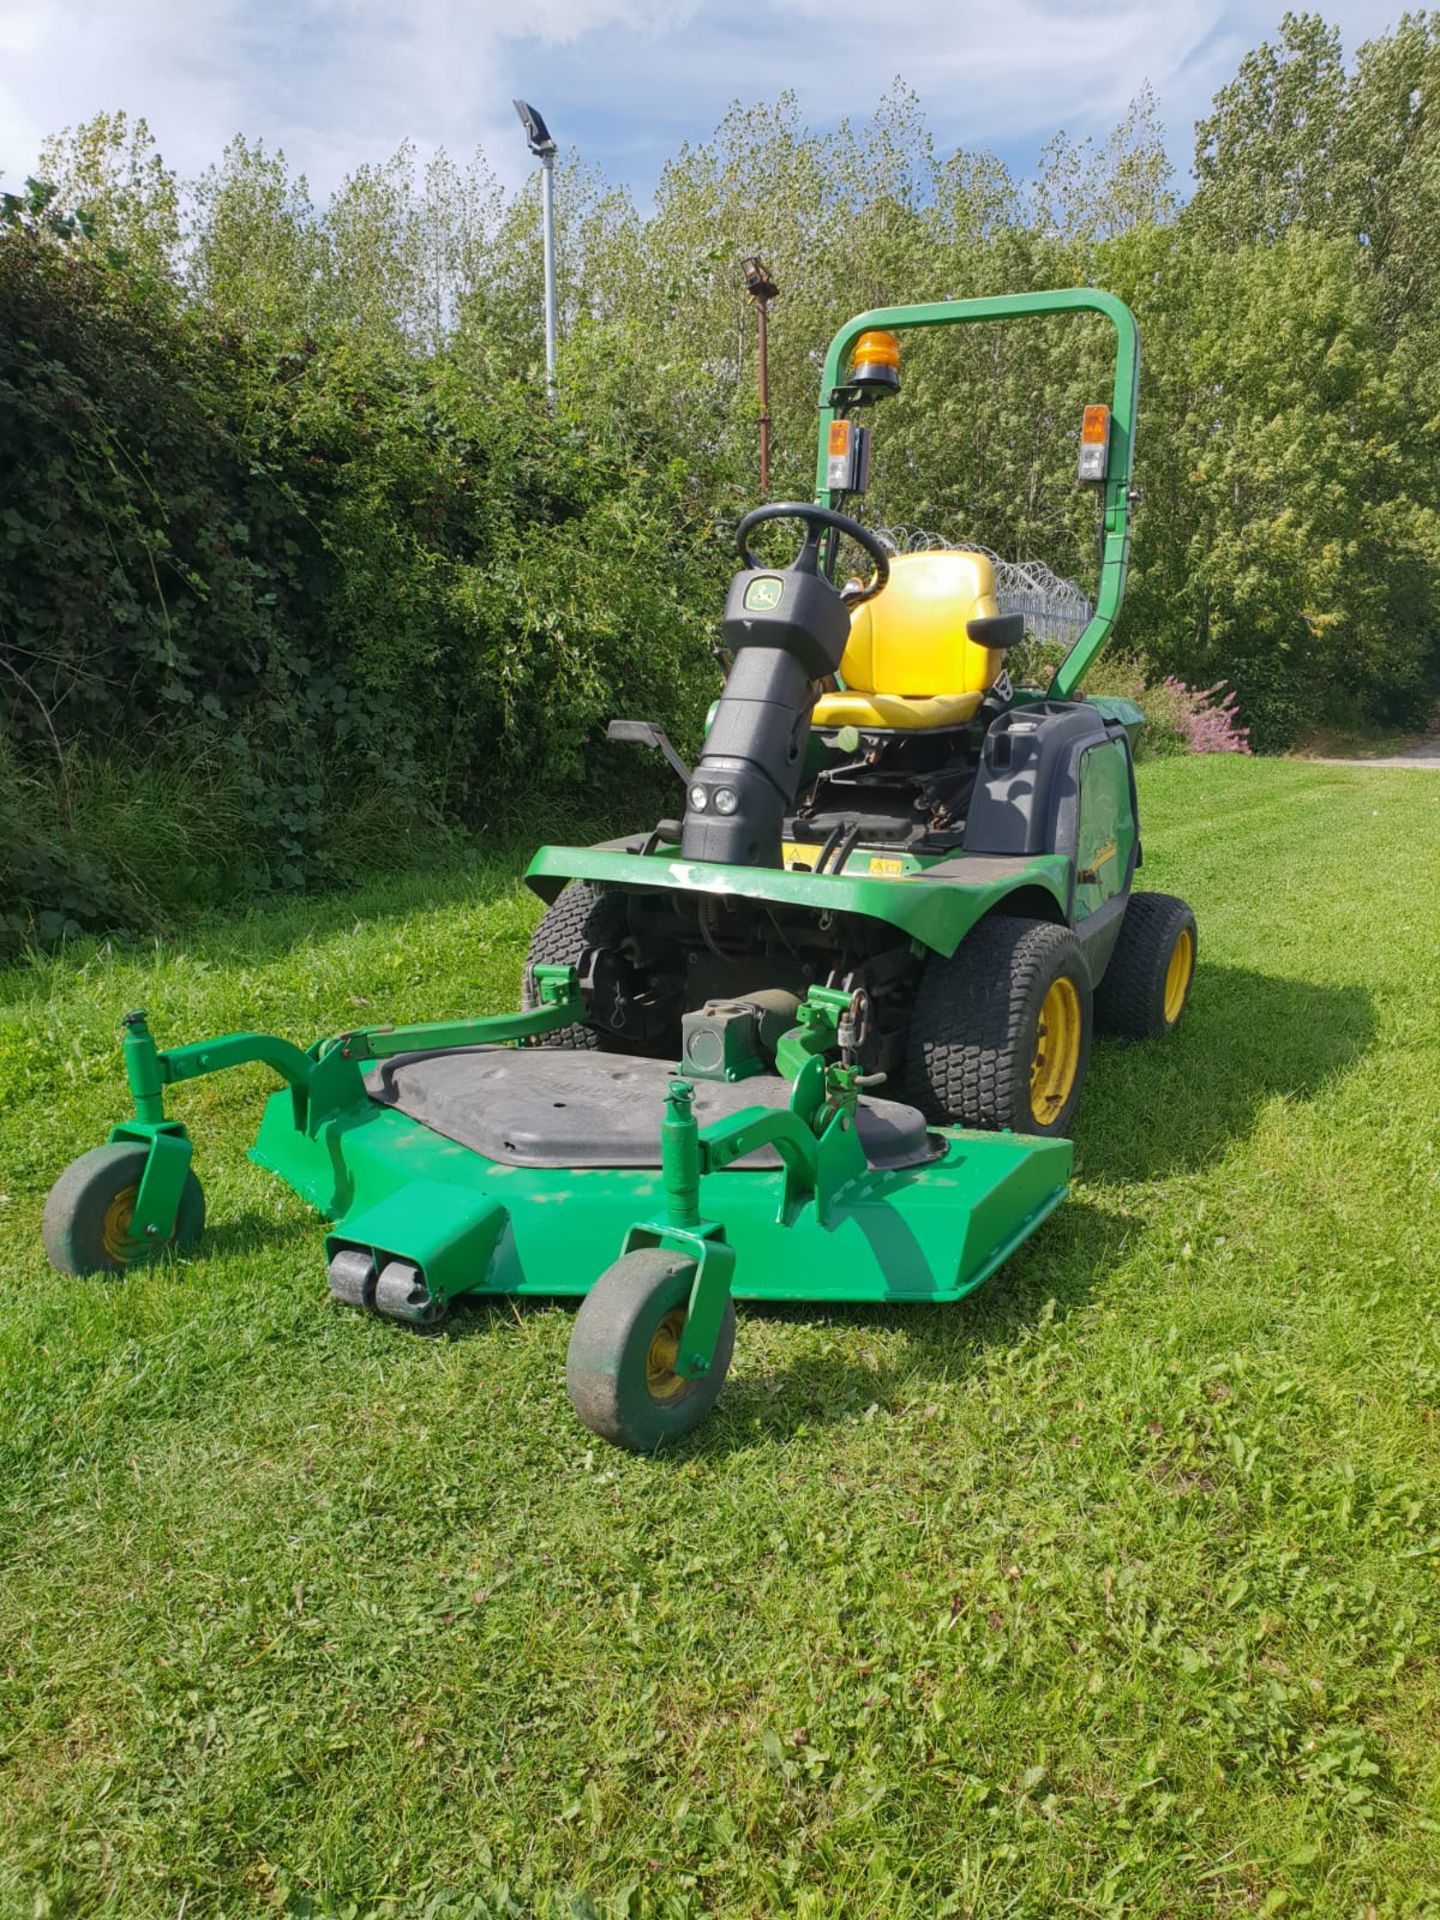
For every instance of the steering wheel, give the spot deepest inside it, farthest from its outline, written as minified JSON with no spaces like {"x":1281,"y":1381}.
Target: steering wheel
{"x":818,"y":520}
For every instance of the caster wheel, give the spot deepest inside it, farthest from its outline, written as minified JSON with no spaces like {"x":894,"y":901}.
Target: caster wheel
{"x":402,"y":1295}
{"x":86,"y":1226}
{"x":620,"y":1372}
{"x":352,"y":1278}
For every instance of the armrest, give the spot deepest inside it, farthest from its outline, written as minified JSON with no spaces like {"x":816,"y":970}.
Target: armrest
{"x":997,"y":630}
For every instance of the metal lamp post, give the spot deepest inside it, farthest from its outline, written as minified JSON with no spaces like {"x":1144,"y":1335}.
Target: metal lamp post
{"x":762,"y":290}
{"x":542,"y":146}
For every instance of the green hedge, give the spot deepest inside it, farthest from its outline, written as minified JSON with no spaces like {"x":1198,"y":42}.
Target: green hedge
{"x":326,"y":593}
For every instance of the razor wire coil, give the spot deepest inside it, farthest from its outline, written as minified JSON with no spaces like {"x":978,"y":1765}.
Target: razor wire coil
{"x":1052,"y":608}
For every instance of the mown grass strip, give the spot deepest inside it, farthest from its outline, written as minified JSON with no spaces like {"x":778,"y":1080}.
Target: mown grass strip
{"x":1112,"y":1591}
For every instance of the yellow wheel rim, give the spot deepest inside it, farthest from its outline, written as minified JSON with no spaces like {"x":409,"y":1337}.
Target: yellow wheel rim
{"x":661,"y":1377}
{"x":1178,"y":975}
{"x":115,"y":1227}
{"x":1055,"y":1062}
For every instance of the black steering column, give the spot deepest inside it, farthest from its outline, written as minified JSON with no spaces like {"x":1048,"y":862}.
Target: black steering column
{"x":786,"y":628}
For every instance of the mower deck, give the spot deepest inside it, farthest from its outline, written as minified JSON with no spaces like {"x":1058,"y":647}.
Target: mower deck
{"x":564,"y":1108}
{"x":466,"y":1184}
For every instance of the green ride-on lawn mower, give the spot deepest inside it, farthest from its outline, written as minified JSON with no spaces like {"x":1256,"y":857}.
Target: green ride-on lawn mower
{"x":891,"y":870}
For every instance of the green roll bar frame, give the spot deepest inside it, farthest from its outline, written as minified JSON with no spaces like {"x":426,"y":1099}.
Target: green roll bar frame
{"x":1115,"y":549}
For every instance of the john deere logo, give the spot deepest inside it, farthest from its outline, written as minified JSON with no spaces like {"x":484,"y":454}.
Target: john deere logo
{"x":763,"y":595}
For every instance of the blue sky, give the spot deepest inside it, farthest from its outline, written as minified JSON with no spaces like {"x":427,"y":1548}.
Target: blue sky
{"x":338,"y":82}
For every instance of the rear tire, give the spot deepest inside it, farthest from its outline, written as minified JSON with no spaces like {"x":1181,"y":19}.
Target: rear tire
{"x":1000,"y":1032}
{"x":1146,"y":987}
{"x":620,"y":1373}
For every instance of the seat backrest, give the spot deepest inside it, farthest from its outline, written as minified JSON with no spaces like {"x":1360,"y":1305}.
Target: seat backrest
{"x":911,"y":639}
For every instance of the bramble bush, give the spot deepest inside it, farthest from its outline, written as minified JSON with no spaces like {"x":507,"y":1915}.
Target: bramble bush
{"x":272,"y":610}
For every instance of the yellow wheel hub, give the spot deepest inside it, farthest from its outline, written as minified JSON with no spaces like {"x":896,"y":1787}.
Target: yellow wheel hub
{"x":661,"y":1377}
{"x":115,"y":1227}
{"x":1177,"y":975}
{"x":1055,"y":1062}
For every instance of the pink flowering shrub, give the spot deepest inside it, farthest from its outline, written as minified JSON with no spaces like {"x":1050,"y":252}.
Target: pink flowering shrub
{"x":1205,"y":722}
{"x":1178,"y":718}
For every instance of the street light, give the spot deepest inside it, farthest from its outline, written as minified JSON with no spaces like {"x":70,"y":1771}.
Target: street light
{"x":541,"y":144}
{"x":762,"y":290}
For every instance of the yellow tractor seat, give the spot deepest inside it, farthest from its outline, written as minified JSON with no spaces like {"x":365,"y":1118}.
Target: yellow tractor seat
{"x":909,"y":662}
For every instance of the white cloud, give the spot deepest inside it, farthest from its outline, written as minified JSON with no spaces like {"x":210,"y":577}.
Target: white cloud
{"x":333,"y":83}
{"x":337,"y":82}
{"x":560,"y":21}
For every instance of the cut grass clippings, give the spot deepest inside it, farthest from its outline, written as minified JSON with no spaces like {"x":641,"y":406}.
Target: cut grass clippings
{"x":1114,"y":1590}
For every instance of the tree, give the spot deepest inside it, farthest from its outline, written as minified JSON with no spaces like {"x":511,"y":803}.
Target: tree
{"x":1270,"y":458}
{"x":1087,"y":193}
{"x":110,"y":170}
{"x":258,"y":254}
{"x":1265,"y":156}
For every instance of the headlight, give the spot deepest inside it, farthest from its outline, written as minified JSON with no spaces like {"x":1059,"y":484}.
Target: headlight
{"x":726,"y":799}
{"x":699,"y":799}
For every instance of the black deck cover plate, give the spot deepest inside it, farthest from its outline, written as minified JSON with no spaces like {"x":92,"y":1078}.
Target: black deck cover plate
{"x":548,"y":1107}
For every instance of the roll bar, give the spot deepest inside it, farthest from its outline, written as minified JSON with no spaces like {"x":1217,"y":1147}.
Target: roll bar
{"x":1115,"y":548}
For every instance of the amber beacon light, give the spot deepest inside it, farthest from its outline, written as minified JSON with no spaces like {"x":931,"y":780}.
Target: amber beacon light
{"x":876,"y":363}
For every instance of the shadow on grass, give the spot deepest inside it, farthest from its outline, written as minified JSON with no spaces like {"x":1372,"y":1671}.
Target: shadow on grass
{"x":253,"y":1232}
{"x":482,"y":875}
{"x":478,"y":872}
{"x":1170,"y":1106}
{"x":1050,"y":1277}
{"x":272,"y":932}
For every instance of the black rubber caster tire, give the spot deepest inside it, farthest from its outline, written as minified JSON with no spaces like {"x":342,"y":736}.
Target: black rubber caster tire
{"x":88,"y":1210}
{"x":1145,"y":989}
{"x":616,"y":1371}
{"x":999,"y":1033}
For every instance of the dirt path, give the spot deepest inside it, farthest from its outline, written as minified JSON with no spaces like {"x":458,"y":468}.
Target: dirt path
{"x":1426,"y":754}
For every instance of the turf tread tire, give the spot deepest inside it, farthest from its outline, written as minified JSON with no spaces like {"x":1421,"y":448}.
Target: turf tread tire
{"x":972,"y":1025}
{"x":1130,"y":999}
{"x":581,"y":916}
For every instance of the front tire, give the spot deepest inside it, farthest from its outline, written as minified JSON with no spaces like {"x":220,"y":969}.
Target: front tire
{"x":1000,"y":1031}
{"x":1146,"y":987}
{"x":620,"y":1371}
{"x":581,"y":917}
{"x":86,"y":1224}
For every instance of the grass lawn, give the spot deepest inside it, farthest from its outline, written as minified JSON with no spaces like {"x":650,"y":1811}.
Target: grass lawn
{"x":1114,"y":1590}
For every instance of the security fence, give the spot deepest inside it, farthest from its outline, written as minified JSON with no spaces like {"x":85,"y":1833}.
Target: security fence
{"x":1053,"y":609}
